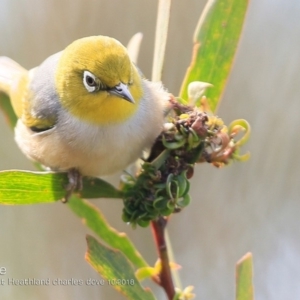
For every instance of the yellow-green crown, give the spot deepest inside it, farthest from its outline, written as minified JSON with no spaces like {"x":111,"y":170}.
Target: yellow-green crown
{"x":107,"y":60}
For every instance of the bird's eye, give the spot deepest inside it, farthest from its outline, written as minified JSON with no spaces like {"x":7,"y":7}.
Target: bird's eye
{"x":90,"y":81}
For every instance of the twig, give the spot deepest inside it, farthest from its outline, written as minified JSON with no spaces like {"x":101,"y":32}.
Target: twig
{"x":166,"y":281}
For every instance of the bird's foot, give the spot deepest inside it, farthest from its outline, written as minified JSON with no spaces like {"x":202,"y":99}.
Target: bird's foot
{"x":75,"y":184}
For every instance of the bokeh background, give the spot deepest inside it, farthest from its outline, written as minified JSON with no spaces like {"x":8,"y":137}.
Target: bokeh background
{"x":252,"y":206}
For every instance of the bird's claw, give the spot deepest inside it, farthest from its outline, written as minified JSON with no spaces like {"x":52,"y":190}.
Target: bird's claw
{"x":75,"y":184}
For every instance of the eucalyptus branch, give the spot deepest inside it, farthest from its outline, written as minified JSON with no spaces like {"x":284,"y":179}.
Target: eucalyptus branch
{"x":165,"y":276}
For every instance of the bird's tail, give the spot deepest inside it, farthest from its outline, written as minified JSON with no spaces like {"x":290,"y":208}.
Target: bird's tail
{"x":9,"y":71}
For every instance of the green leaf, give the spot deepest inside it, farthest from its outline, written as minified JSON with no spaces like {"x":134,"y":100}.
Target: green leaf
{"x":94,"y":219}
{"x":146,"y":272}
{"x":113,"y":266}
{"x":215,"y":43}
{"x":244,"y":278}
{"x":7,"y":109}
{"x":98,"y":188}
{"x":25,"y":187}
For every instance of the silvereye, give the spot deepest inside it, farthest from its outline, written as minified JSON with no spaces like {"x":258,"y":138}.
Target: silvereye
{"x":86,"y":108}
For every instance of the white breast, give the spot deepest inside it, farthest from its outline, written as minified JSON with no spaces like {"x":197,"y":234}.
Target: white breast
{"x":97,"y":150}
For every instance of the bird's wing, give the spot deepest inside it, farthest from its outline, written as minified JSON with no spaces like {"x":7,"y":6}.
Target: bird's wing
{"x":9,"y":72}
{"x":13,"y":82}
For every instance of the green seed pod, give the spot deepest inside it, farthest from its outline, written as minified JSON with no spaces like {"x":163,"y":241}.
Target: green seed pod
{"x":168,"y":185}
{"x":185,"y":201}
{"x":183,"y":184}
{"x":178,"y":137}
{"x":160,"y":203}
{"x":143,"y":223}
{"x":166,"y":212}
{"x":125,"y":217}
{"x":171,"y":205}
{"x":172,"y":145}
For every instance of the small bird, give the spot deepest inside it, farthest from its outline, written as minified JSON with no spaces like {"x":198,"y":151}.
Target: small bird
{"x":86,"y":110}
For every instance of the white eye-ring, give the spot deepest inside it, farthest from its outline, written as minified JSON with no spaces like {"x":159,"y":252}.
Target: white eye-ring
{"x":90,"y":81}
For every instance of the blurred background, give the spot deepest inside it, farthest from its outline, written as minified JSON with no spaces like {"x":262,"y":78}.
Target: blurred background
{"x":252,"y":206}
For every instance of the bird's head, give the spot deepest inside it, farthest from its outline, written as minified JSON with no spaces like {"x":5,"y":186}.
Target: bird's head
{"x":97,"y":82}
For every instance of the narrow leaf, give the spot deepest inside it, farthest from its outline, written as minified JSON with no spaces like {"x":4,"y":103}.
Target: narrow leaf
{"x":244,"y":278}
{"x":146,"y":272}
{"x":113,"y":266}
{"x":94,"y":219}
{"x":162,"y":24}
{"x":215,"y":43}
{"x":25,"y":187}
{"x":98,"y":188}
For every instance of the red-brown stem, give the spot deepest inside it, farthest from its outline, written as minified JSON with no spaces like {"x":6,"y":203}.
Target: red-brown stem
{"x":166,"y":281}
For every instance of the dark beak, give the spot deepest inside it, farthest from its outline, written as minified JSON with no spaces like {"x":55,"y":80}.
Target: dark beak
{"x":121,"y":90}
